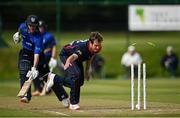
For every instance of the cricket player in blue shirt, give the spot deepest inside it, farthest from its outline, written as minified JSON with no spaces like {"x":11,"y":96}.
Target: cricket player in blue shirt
{"x":49,"y":45}
{"x":73,"y":55}
{"x":49,"y":62}
{"x":29,"y":55}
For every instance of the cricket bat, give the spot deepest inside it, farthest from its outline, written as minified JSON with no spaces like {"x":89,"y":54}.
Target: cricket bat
{"x":25,"y":87}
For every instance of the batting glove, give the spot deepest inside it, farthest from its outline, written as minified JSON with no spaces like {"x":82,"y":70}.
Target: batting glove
{"x":52,"y":63}
{"x":16,"y":38}
{"x":33,"y":73}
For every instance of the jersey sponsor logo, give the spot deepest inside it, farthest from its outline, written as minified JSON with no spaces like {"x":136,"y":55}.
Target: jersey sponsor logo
{"x":37,"y":48}
{"x":28,"y":43}
{"x":44,"y":40}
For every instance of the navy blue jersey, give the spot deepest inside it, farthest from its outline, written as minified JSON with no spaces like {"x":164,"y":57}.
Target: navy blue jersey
{"x":48,"y":43}
{"x":31,"y":42}
{"x":80,"y":48}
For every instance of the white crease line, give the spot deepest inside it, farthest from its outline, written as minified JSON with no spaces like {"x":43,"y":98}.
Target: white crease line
{"x":55,"y":112}
{"x":102,"y":110}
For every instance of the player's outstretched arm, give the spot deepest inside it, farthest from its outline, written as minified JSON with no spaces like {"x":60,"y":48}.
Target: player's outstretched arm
{"x":69,"y":60}
{"x":88,"y":69}
{"x":53,"y":61}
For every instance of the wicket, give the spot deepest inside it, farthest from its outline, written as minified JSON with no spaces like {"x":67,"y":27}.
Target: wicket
{"x":138,"y":106}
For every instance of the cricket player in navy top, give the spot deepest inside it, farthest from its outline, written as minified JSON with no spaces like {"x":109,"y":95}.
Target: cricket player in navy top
{"x":29,"y":55}
{"x":73,"y":55}
{"x":49,"y":45}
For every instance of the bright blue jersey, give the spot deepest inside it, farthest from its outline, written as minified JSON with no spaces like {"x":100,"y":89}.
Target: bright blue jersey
{"x":48,"y":43}
{"x":80,"y":48}
{"x":31,"y":42}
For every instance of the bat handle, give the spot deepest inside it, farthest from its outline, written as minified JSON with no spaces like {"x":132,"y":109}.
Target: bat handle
{"x":30,"y":78}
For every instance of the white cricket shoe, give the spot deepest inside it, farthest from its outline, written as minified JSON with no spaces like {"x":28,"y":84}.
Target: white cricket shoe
{"x":49,"y":84}
{"x":24,"y":100}
{"x":65,"y":102}
{"x":74,"y":107}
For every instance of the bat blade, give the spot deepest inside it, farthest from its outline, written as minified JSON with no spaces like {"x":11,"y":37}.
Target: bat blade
{"x":25,"y":88}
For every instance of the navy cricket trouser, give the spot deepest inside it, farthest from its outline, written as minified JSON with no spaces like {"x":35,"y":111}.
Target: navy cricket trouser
{"x":74,"y":79}
{"x":24,"y":65}
{"x":26,"y":59}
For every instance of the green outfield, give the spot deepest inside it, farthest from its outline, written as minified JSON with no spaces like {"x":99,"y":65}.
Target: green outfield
{"x":99,"y":98}
{"x":114,"y":45}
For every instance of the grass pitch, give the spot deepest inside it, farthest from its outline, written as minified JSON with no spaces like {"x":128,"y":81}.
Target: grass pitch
{"x":99,"y":98}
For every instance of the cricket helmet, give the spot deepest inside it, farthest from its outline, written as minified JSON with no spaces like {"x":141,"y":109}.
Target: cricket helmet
{"x":42,"y":24}
{"x":32,"y":20}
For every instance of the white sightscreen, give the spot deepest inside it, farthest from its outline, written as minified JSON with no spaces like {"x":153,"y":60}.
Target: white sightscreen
{"x":154,"y":17}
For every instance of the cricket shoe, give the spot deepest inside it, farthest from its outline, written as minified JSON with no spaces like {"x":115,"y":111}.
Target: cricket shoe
{"x":24,"y":100}
{"x":74,"y":107}
{"x":50,"y":82}
{"x":65,"y":102}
